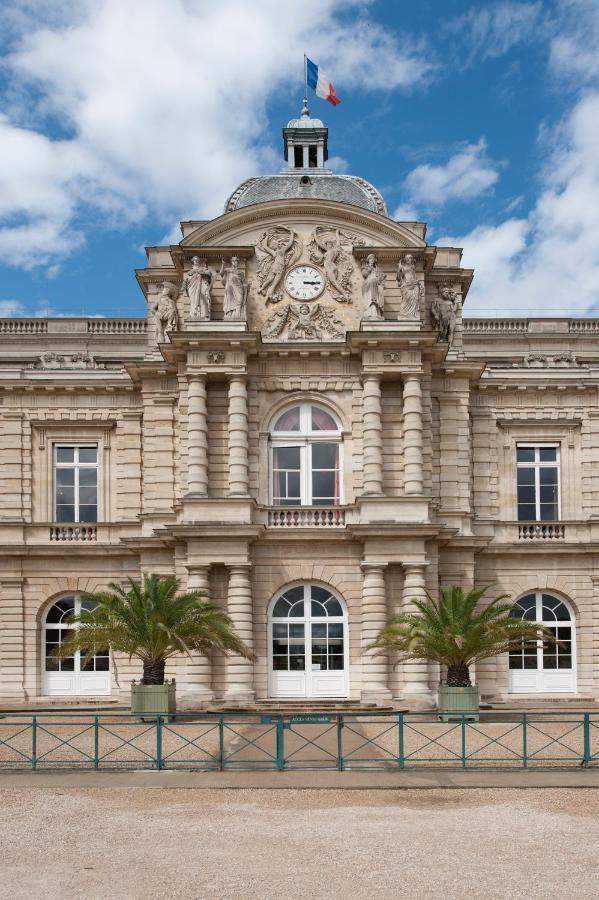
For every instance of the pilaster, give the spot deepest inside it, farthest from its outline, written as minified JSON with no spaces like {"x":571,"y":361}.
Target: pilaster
{"x":412,"y":434}
{"x":372,"y":435}
{"x":375,"y":668}
{"x":416,"y":674}
{"x":197,"y":436}
{"x":238,"y":436}
{"x":198,"y":671}
{"x":240,"y":671}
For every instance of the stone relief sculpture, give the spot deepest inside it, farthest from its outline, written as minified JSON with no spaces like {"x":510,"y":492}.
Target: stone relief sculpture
{"x":197,"y":285}
{"x":373,"y":289}
{"x":332,"y":249}
{"x":163,"y":309}
{"x":277,"y":249}
{"x":555,"y":360}
{"x":411,"y":289}
{"x":301,"y":322}
{"x":53,"y":360}
{"x":236,"y":290}
{"x":215,"y":357}
{"x":444,"y":311}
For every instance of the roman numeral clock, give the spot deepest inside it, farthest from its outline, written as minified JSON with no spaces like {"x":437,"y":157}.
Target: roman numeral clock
{"x":304,"y":283}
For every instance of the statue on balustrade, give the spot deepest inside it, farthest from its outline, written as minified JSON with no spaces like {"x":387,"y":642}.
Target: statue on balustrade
{"x":197,"y":284}
{"x":373,"y":289}
{"x":444,"y":312}
{"x":163,"y":309}
{"x":411,"y":289}
{"x":236,"y":290}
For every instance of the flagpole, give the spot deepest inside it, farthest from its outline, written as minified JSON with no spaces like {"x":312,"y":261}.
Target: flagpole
{"x":306,"y":82}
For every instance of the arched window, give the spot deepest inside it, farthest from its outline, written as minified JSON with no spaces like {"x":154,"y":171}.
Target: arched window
{"x":306,"y":457}
{"x":71,"y":674}
{"x":308,"y":643}
{"x":544,"y":666}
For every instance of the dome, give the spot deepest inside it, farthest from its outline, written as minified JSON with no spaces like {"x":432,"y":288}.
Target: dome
{"x":305,"y":122}
{"x":306,"y":185}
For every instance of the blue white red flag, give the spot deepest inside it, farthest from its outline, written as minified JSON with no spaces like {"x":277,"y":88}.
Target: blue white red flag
{"x":320,"y":83}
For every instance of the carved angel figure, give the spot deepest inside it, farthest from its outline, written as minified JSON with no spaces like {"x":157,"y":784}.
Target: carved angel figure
{"x":304,"y":323}
{"x":163,"y":310}
{"x":197,"y":284}
{"x":277,"y":249}
{"x":331,"y":249}
{"x":373,"y":289}
{"x":444,"y":310}
{"x":236,"y":290}
{"x":411,"y":289}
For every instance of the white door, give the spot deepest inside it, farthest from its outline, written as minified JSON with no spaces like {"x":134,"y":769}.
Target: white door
{"x":544,"y":668}
{"x":308,"y":652}
{"x":71,"y":675}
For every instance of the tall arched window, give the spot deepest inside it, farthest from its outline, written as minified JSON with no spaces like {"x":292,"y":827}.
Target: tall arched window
{"x":306,"y":457}
{"x":544,"y":666}
{"x":71,"y":674}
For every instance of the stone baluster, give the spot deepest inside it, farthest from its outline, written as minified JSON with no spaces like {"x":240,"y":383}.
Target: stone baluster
{"x":197,"y":436}
{"x":416,"y":674}
{"x":375,"y":669}
{"x":372,"y":435}
{"x":238,"y":436}
{"x":240,"y":671}
{"x":412,"y":434}
{"x":198,"y":671}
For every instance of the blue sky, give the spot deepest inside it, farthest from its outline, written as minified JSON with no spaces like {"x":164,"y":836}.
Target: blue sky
{"x":118,"y":119}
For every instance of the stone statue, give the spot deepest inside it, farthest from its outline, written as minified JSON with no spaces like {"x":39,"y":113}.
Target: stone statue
{"x":197,"y":284}
{"x":411,"y":289}
{"x":278,"y":248}
{"x":373,"y":289}
{"x":303,"y":323}
{"x":327,"y":249}
{"x":163,"y":310}
{"x":236,"y":290}
{"x":444,"y":310}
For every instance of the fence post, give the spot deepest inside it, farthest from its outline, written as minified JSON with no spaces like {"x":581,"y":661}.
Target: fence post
{"x":401,"y":760}
{"x":587,"y":740}
{"x":221,"y":743}
{"x":524,"y":742}
{"x":34,"y":742}
{"x":280,"y":743}
{"x":340,"y":742}
{"x":463,"y":724}
{"x":159,"y":742}
{"x":96,"y":742}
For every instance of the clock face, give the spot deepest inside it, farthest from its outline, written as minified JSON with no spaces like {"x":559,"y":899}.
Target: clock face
{"x":304,"y":283}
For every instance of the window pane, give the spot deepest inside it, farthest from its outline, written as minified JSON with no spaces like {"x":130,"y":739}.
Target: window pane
{"x":65,"y":477}
{"x":530,"y":662}
{"x":281,"y":608}
{"x":325,"y":456}
{"x":88,"y":477}
{"x":294,"y":593}
{"x":88,"y":454}
{"x":336,"y":663}
{"x":289,"y":421}
{"x":320,"y":594}
{"x":63,"y":607}
{"x":297,"y":610}
{"x":297,"y":663}
{"x":322,"y":421}
{"x":526,"y":494}
{"x":65,"y":454}
{"x":527,"y":512}
{"x":547,"y":475}
{"x":526,"y":475}
{"x":88,"y":495}
{"x":335,"y":630}
{"x":67,"y":664}
{"x":516,"y":661}
{"x":88,"y":513}
{"x":286,"y":457}
{"x":548,"y":512}
{"x":102,"y":664}
{"x":279,"y":663}
{"x":296,"y":631}
{"x":279,"y":631}
{"x":564,"y":662}
{"x":547,"y":454}
{"x":525,"y":454}
{"x":548,"y":493}
{"x":319,"y":631}
{"x":65,"y":513}
{"x":323,"y":485}
{"x":279,"y":646}
{"x":318,"y":609}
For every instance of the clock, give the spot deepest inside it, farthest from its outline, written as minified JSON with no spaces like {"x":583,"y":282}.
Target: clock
{"x":304,"y":283}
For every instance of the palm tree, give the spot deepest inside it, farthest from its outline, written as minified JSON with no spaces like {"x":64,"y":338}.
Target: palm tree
{"x":456,"y":633}
{"x":151,"y":622}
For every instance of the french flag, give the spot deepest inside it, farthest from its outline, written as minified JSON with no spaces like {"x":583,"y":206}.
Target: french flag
{"x":319,"y":82}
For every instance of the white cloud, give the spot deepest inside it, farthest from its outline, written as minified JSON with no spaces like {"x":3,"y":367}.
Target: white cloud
{"x":491,"y":29}
{"x":575,"y":47}
{"x":466,"y":175}
{"x":160,"y":106}
{"x":11,"y":308}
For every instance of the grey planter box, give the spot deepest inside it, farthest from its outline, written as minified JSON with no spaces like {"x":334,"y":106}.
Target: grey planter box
{"x":154,"y":699}
{"x":455,"y":702}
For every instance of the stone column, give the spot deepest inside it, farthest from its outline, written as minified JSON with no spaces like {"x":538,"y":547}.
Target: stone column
{"x":240,"y":671}
{"x":412,"y":434}
{"x":372,"y":435}
{"x":197,"y":436}
{"x":416,"y":674}
{"x":375,"y":669}
{"x":238,"y":436}
{"x":198,"y":671}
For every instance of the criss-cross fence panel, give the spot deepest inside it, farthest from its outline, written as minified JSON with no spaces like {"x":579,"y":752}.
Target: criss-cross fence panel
{"x":251,"y":740}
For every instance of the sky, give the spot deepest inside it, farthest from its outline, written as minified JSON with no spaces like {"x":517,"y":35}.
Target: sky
{"x":119,"y":118}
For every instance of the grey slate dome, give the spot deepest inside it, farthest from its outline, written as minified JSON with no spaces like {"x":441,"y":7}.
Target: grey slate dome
{"x":305,"y":177}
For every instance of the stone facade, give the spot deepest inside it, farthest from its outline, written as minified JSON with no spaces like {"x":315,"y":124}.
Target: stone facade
{"x":182,"y":408}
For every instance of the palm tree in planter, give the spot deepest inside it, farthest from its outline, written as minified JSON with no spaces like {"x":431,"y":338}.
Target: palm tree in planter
{"x":456,"y":632}
{"x":152,"y":622}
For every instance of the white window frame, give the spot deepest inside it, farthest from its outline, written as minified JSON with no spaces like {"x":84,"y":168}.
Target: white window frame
{"x":537,"y":465}
{"x":542,"y":680}
{"x":76,"y":465}
{"x":305,"y":438}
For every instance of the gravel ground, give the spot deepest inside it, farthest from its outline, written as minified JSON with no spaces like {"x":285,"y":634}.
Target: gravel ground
{"x":138,"y":843}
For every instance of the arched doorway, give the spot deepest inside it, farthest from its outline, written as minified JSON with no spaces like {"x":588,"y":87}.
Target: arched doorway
{"x":307,"y":643}
{"x":72,"y":675}
{"x":544,"y":667}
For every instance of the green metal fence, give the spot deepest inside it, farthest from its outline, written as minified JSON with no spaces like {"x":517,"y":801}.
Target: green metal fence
{"x":253,"y":741}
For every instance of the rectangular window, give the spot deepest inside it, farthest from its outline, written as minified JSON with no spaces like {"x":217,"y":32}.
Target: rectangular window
{"x":286,"y":475}
{"x":538,"y":482}
{"x":76,"y":483}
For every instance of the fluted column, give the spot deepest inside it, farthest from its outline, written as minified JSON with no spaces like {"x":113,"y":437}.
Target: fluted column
{"x":240,"y":671}
{"x":238,"y":436}
{"x":375,"y":669}
{"x":412,"y":434}
{"x":197,"y":436}
{"x":372,"y":435}
{"x":198,"y":671}
{"x":416,"y":674}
